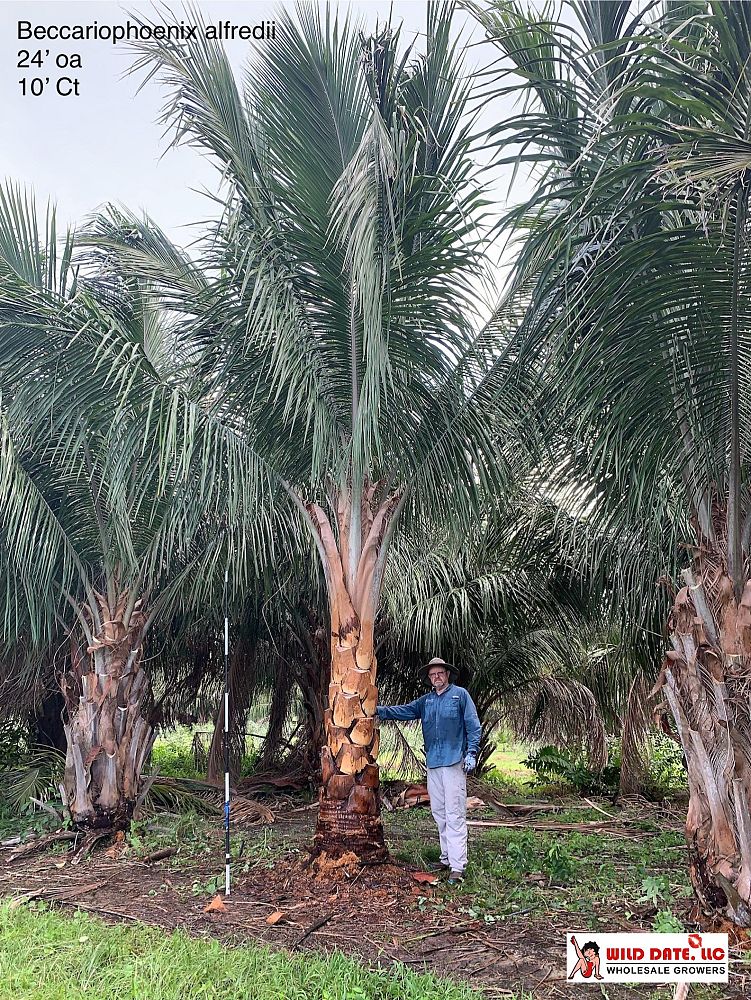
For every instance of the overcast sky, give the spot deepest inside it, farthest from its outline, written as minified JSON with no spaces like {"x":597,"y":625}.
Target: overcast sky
{"x":104,"y":145}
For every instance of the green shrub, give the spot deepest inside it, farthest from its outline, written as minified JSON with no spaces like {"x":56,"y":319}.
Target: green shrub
{"x":559,"y":864}
{"x":667,"y":772}
{"x":551,"y":765}
{"x":655,"y":888}
{"x":666,"y":922}
{"x":521,"y":853}
{"x":667,"y":768}
{"x":14,"y":743}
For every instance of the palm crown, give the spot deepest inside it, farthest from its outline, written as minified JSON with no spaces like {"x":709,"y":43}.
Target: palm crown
{"x":340,"y":302}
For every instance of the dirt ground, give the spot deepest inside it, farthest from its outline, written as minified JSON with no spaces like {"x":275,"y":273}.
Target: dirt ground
{"x":381,"y":914}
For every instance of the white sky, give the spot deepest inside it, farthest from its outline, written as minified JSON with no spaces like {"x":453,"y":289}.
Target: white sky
{"x":105,"y":145}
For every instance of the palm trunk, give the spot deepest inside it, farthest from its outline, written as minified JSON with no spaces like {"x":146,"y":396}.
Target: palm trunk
{"x":349,"y":817}
{"x":311,"y":733}
{"x":108,"y":738}
{"x":274,"y":745}
{"x":704,"y":681}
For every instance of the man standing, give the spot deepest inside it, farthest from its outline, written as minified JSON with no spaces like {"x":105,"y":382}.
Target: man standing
{"x":451,"y":731}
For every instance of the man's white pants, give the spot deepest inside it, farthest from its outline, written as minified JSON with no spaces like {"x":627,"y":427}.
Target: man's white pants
{"x":447,"y":787}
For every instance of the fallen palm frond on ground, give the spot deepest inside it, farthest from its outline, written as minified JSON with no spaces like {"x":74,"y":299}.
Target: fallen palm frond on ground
{"x":595,"y":826}
{"x":264,"y":781}
{"x":183,"y":795}
{"x":36,"y":782}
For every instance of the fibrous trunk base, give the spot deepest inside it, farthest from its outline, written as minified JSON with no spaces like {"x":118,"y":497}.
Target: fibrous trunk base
{"x":340,"y":831}
{"x":705,"y":683}
{"x":108,"y":737}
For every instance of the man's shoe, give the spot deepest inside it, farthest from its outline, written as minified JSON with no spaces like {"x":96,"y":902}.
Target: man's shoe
{"x":440,"y":866}
{"x":455,"y":878}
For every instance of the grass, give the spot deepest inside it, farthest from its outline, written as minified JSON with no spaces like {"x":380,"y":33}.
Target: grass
{"x":196,"y":838}
{"x":513,"y":778}
{"x":590,"y":875}
{"x":580,"y":878}
{"x":507,"y":759}
{"x":45,"y":955}
{"x":188,"y":832}
{"x":564,"y":879}
{"x":172,"y":754}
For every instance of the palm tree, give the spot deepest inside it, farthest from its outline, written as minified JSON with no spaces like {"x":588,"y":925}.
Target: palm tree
{"x":635,"y":267}
{"x":101,"y":535}
{"x":336,"y":325}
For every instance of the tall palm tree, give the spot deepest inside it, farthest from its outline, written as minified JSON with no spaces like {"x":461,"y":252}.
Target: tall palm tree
{"x":336,"y":326}
{"x":635,"y":265}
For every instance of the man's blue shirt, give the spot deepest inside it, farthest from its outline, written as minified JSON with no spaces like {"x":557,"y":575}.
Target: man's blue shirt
{"x":450,"y":724}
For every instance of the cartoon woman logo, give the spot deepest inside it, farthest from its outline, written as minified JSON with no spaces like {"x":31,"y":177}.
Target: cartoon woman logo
{"x":588,"y":964}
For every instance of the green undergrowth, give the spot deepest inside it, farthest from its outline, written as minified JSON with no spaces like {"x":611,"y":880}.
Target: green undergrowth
{"x":189,"y":833}
{"x":25,"y":822}
{"x":49,"y":955}
{"x":174,"y":753}
{"x":507,"y":760}
{"x":554,"y":770}
{"x":195,"y":837}
{"x":513,"y":871}
{"x":46,"y":955}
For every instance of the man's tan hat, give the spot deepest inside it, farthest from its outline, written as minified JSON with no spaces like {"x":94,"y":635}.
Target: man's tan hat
{"x":438,"y":662}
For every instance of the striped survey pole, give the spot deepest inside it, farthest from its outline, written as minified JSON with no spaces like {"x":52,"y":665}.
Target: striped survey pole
{"x":227,"y":856}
